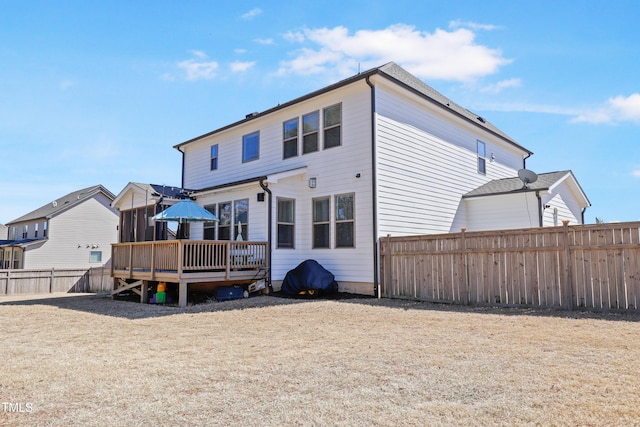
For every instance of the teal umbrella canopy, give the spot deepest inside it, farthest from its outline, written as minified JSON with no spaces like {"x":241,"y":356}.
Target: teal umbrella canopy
{"x":185,"y":211}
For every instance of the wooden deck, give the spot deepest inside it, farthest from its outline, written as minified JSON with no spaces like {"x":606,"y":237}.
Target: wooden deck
{"x":135,"y":264}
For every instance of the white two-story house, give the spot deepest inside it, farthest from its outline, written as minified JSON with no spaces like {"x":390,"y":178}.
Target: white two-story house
{"x":72,"y":231}
{"x":325,"y":176}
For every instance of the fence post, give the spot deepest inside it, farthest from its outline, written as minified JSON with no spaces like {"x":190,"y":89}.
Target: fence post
{"x":464,"y":268}
{"x":388,"y":273}
{"x":568,"y":267}
{"x":51,"y":280}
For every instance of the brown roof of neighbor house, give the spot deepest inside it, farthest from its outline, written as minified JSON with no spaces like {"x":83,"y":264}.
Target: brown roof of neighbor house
{"x":400,"y":76}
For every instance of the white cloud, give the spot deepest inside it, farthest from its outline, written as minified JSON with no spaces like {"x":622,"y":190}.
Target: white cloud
{"x":636,"y":173}
{"x":616,"y":110}
{"x":264,"y":41}
{"x":240,"y":66}
{"x":240,"y":51}
{"x":198,"y":53}
{"x":472,"y":25}
{"x":199,"y":70}
{"x":500,"y":86}
{"x":251,"y":14}
{"x":446,"y":55}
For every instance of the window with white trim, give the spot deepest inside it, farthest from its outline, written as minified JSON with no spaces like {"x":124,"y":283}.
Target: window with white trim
{"x":214,"y":157}
{"x":286,"y":223}
{"x":321,"y":222}
{"x":482,"y":161}
{"x":345,"y":220}
{"x":310,"y":127}
{"x":290,"y":138}
{"x":332,"y":122}
{"x":251,"y":147}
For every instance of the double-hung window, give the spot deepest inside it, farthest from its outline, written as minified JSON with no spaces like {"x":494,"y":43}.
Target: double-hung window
{"x":321,"y":222}
{"x":310,"y":128}
{"x":25,"y":231}
{"x":241,"y":219}
{"x":214,"y":157}
{"x":290,"y":138}
{"x":210,"y":226}
{"x":345,"y":220}
{"x":250,"y":147}
{"x":332,"y":122}
{"x":482,"y":161}
{"x":286,"y":223}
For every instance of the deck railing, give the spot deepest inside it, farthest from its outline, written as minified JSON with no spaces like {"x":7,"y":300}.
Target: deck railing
{"x":184,"y":256}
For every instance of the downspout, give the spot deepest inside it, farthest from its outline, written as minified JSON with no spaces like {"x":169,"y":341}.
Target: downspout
{"x":539,"y":207}
{"x":582,"y":214}
{"x":524,"y":160}
{"x":182,"y":177}
{"x":374,"y":190}
{"x":269,"y":228}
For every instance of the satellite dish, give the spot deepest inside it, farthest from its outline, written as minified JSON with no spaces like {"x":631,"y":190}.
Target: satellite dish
{"x":527,"y":177}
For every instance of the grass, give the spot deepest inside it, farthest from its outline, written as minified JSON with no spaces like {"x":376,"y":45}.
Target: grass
{"x":267,"y":361}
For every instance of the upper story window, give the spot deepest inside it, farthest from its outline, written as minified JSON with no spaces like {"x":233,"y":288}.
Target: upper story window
{"x":310,"y":126}
{"x":44,"y":229}
{"x":214,"y":157}
{"x":25,"y":231}
{"x":290,"y":138}
{"x":250,"y":147}
{"x":35,"y":230}
{"x":332,"y":120}
{"x":482,"y":161}
{"x":13,"y":233}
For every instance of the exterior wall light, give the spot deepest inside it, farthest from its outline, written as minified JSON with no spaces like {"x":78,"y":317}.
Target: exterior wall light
{"x":313,"y":182}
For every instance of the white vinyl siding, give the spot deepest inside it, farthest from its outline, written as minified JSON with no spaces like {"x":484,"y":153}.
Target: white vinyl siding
{"x":72,"y":234}
{"x":426,"y":161}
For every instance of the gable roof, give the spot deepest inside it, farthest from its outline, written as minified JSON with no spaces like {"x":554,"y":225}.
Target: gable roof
{"x":398,"y":75}
{"x":545,"y":181}
{"x":63,"y":203}
{"x":154,"y":191}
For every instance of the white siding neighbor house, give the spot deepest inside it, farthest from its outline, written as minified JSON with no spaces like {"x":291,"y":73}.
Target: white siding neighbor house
{"x":73,"y":231}
{"x":325,"y":176}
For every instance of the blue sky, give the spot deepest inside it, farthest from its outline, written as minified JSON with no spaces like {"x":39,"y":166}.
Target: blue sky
{"x":99,"y":92}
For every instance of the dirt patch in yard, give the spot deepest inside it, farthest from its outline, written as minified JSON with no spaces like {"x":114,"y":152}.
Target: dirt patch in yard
{"x":90,"y":361}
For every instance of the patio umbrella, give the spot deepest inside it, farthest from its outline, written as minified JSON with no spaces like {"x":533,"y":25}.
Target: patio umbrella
{"x":185,"y":211}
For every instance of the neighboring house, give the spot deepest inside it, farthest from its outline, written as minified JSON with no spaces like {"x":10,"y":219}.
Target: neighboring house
{"x":508,"y":203}
{"x":137,"y":203}
{"x":74,"y":231}
{"x":325,"y":176}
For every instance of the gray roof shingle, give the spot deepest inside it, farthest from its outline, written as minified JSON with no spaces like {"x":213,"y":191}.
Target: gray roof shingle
{"x":393,"y":72}
{"x":512,"y":185}
{"x":65,"y":202}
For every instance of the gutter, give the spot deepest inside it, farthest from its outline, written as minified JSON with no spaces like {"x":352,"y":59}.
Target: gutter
{"x":265,"y":187}
{"x":374,"y":194}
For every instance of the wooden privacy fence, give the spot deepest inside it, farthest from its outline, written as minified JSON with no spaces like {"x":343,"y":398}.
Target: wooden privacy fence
{"x":14,"y":282}
{"x":595,"y":267}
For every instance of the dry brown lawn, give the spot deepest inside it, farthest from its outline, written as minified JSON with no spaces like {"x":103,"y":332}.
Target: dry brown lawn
{"x":266,"y":361}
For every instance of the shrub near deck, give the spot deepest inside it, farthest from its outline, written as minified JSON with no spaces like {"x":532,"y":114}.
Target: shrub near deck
{"x":87,"y":360}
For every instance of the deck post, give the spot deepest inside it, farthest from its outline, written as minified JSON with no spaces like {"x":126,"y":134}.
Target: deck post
{"x":182,"y":294}
{"x":144,"y":292}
